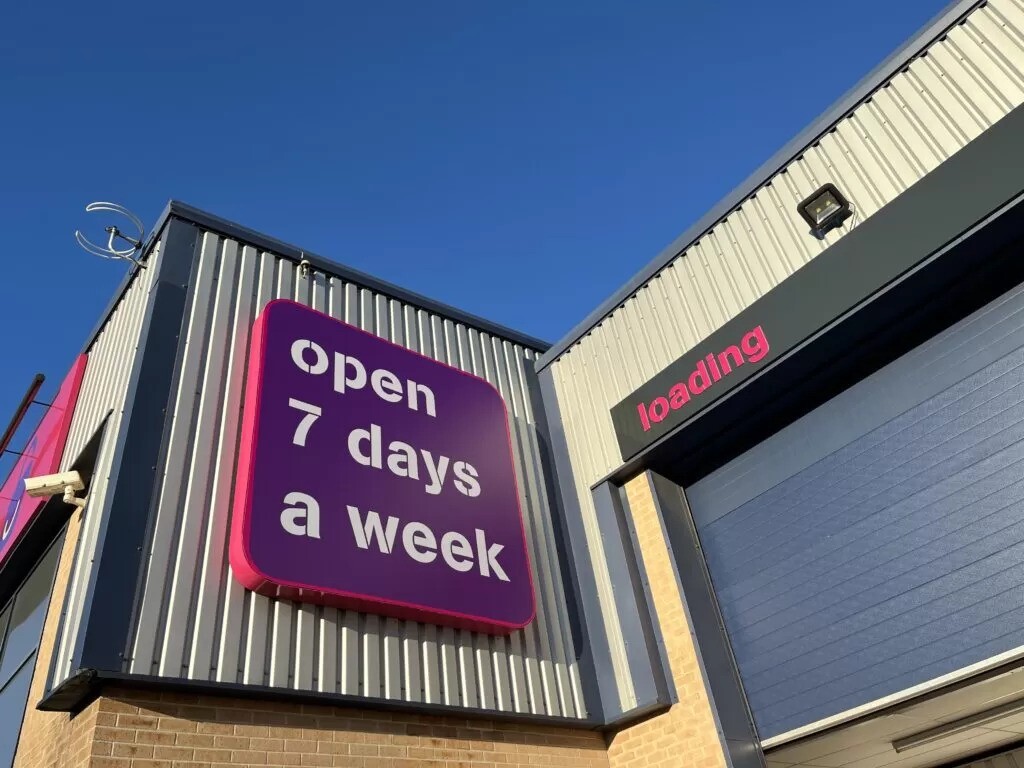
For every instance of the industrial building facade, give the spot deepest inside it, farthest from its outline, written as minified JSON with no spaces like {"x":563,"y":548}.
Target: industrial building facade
{"x":763,"y":507}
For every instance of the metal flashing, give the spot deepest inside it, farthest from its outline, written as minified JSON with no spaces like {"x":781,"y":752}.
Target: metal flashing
{"x":548,"y":450}
{"x":897,"y":61}
{"x":111,"y":592}
{"x":641,"y":634}
{"x":592,"y":645}
{"x":76,"y":692}
{"x":267,"y":243}
{"x":653,"y":637}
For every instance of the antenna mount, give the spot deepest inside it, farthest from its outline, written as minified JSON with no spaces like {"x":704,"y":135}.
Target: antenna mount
{"x":114,"y":249}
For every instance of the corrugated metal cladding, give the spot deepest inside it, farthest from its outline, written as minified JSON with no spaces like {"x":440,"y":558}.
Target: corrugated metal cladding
{"x":195,"y":621}
{"x":104,"y":390}
{"x":877,"y":543}
{"x":964,"y":83}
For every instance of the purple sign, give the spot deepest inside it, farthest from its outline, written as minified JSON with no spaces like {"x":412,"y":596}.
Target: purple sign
{"x":373,"y":478}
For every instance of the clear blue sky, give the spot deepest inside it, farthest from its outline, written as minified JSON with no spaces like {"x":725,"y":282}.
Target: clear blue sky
{"x":517,"y":159}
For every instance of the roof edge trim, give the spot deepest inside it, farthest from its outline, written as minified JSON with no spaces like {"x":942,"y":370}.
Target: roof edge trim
{"x":208,"y":221}
{"x":949,"y":17}
{"x":293,"y":253}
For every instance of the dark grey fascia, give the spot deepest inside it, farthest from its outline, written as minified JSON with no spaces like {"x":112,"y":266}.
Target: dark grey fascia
{"x":111,"y":592}
{"x":936,"y":237}
{"x":932,"y":31}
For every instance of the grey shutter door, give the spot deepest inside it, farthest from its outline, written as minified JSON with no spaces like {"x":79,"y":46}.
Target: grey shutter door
{"x":878,"y":542}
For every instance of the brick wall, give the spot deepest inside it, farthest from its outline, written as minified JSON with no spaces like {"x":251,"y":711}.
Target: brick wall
{"x":686,"y":735}
{"x":153,"y":729}
{"x":55,"y":739}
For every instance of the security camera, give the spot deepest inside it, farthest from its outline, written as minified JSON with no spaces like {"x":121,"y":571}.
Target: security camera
{"x":65,"y":483}
{"x":51,"y":485}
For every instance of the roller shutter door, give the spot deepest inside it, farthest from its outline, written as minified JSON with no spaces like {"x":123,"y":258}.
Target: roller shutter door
{"x":878,"y":542}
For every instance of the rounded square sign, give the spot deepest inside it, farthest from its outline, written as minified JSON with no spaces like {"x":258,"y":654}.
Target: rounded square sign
{"x":373,"y":478}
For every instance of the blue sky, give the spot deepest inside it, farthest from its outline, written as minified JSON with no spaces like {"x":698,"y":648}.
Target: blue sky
{"x":519,"y":160}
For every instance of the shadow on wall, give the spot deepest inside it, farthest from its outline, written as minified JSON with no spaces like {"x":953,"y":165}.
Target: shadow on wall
{"x":560,"y":540}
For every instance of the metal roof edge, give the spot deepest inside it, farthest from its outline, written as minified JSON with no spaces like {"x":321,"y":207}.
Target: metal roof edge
{"x":934,"y":29}
{"x":265,"y":242}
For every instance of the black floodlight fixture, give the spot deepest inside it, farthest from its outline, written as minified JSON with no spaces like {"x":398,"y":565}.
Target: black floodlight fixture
{"x":825,"y":209}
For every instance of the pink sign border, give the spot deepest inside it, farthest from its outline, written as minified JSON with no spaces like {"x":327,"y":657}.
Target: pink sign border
{"x":254,"y":579}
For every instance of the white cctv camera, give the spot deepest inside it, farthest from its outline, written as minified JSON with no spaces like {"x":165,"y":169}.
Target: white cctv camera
{"x":65,"y":483}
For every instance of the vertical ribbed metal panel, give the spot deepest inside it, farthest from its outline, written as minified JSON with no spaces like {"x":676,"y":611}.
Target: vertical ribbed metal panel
{"x":195,"y":621}
{"x":944,"y":98}
{"x":104,"y":391}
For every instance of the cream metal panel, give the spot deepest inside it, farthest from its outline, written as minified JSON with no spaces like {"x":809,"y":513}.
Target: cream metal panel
{"x":104,"y":390}
{"x":195,"y":621}
{"x":945,"y":97}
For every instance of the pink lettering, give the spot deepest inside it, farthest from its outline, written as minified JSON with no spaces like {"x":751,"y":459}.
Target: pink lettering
{"x":729,"y":357}
{"x":753,"y":348}
{"x":755,"y":345}
{"x":644,"y":421}
{"x":715,"y":373}
{"x":699,"y":379}
{"x":659,"y":409}
{"x":679,"y":395}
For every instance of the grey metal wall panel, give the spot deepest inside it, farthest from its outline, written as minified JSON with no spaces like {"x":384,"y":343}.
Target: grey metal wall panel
{"x":104,"y":390}
{"x":878,"y":542}
{"x":196,"y":622}
{"x":943,"y":99}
